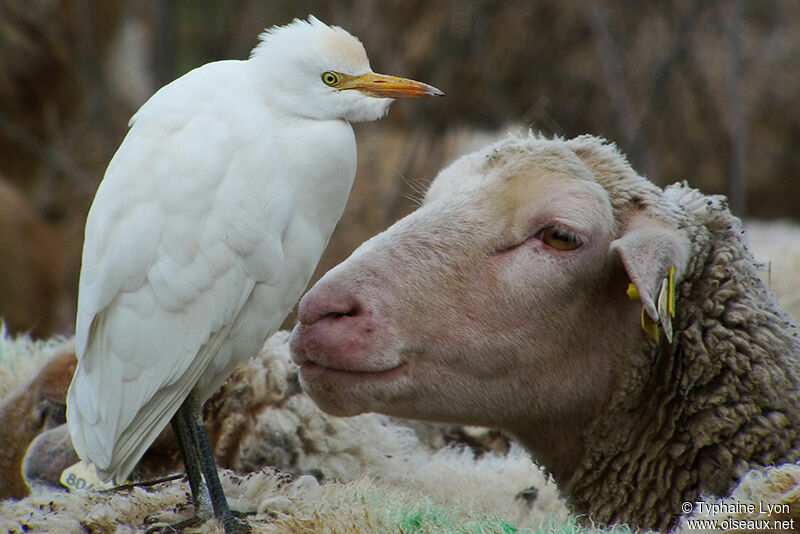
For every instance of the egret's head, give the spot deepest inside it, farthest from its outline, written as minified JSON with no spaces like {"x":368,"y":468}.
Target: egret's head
{"x":322,"y":72}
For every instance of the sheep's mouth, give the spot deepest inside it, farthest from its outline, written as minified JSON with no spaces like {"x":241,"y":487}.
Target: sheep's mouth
{"x":312,"y":371}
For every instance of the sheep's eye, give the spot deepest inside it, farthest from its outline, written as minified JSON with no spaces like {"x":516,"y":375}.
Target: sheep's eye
{"x":560,"y":238}
{"x":331,"y":78}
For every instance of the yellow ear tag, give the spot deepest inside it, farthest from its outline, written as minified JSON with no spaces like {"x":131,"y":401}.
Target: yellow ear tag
{"x":83,"y":476}
{"x":633,"y":293}
{"x":649,"y":326}
{"x":671,"y":281}
{"x":663,"y":312}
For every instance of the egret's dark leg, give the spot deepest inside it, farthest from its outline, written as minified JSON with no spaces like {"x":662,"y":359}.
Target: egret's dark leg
{"x":200,"y":454}
{"x":191,"y":462}
{"x":182,"y":426}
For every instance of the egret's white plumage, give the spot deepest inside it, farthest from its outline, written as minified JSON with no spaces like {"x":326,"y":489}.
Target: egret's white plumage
{"x":208,"y":224}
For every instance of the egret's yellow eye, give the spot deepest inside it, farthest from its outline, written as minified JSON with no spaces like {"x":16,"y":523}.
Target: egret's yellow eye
{"x":331,"y":78}
{"x":560,"y":238}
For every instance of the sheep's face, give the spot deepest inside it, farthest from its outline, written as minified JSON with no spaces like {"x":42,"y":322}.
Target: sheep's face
{"x":488,"y":305}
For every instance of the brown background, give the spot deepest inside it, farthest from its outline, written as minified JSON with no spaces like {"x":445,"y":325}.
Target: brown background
{"x":702,"y":90}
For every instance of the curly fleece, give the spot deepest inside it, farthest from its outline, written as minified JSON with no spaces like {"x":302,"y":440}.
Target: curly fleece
{"x":691,"y":417}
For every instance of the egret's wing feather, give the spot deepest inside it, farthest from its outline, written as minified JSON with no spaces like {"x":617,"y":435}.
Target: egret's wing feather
{"x":176,"y":241}
{"x":159,"y":409}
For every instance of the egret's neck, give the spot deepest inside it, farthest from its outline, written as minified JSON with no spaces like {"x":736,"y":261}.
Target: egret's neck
{"x":328,"y":163}
{"x":320,"y":158}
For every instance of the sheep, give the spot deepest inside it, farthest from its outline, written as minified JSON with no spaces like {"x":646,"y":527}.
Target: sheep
{"x":34,"y":406}
{"x":32,"y":270}
{"x":283,"y":455}
{"x":619,"y":331}
{"x":33,"y":378}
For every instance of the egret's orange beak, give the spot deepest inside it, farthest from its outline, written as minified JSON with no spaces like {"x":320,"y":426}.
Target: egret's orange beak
{"x":383,"y":86}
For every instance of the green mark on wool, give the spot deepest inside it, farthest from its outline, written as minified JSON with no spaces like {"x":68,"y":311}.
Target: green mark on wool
{"x":508,"y":528}
{"x":413,"y":523}
{"x":433,"y":519}
{"x":416,"y":520}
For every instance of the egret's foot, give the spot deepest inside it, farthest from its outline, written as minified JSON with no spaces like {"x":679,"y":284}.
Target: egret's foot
{"x":175,"y":527}
{"x":234,"y":525}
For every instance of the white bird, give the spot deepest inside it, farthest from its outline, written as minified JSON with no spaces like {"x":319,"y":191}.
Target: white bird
{"x":205,"y":230}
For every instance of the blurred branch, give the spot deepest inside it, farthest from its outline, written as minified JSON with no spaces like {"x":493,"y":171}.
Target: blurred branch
{"x":88,"y":63}
{"x":681,"y":44}
{"x":164,"y":49}
{"x":52,"y":159}
{"x":616,"y":85}
{"x":738,"y":123}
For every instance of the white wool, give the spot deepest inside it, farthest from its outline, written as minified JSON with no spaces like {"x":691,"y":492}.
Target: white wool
{"x":493,"y":482}
{"x":776,"y":245}
{"x":760,"y":490}
{"x":448,"y":482}
{"x":277,"y":505}
{"x":21,"y":357}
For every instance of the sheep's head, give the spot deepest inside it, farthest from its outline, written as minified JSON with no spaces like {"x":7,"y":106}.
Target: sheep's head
{"x":502,"y":300}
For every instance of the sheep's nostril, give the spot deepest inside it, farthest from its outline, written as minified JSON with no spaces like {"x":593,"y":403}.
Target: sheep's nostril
{"x":352,"y":312}
{"x":317,"y":305}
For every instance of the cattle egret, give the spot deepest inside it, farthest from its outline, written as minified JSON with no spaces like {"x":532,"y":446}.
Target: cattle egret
{"x":205,"y":230}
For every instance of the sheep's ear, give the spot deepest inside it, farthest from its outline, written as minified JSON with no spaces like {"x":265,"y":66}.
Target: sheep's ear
{"x":649,"y":249}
